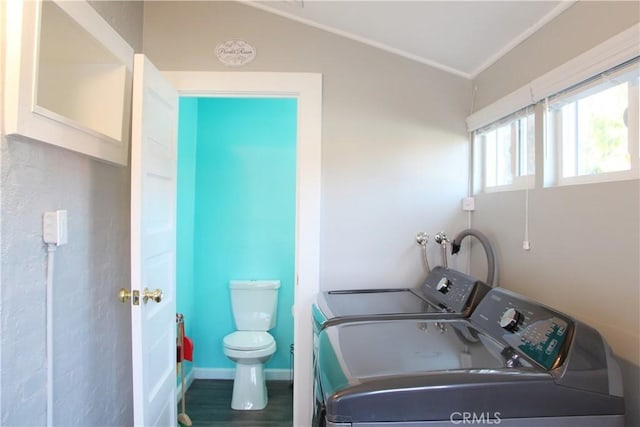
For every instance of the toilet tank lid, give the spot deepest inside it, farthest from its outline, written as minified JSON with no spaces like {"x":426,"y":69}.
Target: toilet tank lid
{"x":254,"y":284}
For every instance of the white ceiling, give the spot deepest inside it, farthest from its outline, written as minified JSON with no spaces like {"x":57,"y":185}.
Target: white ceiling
{"x":461,"y":37}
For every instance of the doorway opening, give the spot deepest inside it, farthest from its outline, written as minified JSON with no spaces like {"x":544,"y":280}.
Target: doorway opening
{"x":306,"y":89}
{"x":236,"y":192}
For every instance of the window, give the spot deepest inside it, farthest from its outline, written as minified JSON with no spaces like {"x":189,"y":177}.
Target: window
{"x":593,"y":128}
{"x":576,"y":124}
{"x":506,"y":148}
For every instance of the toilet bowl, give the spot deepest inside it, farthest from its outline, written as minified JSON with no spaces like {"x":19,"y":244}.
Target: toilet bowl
{"x":250,"y":350}
{"x":254,"y":305}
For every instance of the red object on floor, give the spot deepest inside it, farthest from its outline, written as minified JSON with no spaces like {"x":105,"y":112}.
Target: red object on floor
{"x":184,"y":345}
{"x":188,"y":349}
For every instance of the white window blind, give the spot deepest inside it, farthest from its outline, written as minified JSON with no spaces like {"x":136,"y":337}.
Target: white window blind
{"x":617,"y":50}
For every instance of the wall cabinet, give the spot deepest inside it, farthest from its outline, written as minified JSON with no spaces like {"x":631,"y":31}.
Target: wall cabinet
{"x":68,"y":78}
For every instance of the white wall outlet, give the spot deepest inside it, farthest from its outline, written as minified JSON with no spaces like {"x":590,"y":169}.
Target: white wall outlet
{"x":468,"y":204}
{"x":54,"y":228}
{"x":525,"y":245}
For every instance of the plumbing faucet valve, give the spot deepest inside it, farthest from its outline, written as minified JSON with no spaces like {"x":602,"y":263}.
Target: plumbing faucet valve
{"x":441,"y":238}
{"x":422,"y":238}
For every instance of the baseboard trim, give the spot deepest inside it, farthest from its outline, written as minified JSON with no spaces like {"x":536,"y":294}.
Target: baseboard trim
{"x":229,"y":373}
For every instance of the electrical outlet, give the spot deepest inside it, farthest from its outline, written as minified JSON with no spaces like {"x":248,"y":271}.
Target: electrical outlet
{"x":525,"y":245}
{"x":54,"y":228}
{"x":468,"y":204}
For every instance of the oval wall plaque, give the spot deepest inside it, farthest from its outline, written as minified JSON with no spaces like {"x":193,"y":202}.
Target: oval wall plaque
{"x":235,"y":53}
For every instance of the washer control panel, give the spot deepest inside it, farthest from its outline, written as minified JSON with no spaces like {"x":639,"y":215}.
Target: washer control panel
{"x":453,"y":291}
{"x":532,"y":329}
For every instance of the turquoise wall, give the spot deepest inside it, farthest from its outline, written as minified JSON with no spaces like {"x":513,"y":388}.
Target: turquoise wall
{"x":243,"y":216}
{"x":187,"y":137}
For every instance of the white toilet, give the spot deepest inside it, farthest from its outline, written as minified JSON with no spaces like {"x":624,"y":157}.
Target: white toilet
{"x":254,"y":304}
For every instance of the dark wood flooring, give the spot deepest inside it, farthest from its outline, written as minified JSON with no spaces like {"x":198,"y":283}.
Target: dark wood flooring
{"x":208,"y":403}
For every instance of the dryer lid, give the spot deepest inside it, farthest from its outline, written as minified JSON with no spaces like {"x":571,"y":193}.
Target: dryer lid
{"x":248,"y":340}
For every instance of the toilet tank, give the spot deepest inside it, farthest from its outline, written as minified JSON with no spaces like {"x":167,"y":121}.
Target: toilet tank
{"x":254,"y":304}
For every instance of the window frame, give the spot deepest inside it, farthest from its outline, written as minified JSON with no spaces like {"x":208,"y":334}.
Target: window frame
{"x":515,"y":122}
{"x":553,"y":137}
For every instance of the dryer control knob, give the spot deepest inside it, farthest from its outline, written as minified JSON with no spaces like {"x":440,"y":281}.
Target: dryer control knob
{"x":510,"y":319}
{"x":443,"y":285}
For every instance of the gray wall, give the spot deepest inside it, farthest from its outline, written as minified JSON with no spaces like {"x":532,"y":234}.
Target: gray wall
{"x":92,"y":342}
{"x":394,"y":145}
{"x":584,"y":238}
{"x":576,"y":30}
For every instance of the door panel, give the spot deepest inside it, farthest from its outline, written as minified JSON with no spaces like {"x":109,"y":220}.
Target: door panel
{"x":153,"y":207}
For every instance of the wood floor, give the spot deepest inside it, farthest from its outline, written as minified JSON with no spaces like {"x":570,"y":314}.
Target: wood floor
{"x":209,"y":404}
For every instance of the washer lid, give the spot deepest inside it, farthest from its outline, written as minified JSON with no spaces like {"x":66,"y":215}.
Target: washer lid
{"x":248,"y":340}
{"x":371,"y":302}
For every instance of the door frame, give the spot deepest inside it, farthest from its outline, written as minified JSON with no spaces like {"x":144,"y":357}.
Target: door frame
{"x":307,"y":89}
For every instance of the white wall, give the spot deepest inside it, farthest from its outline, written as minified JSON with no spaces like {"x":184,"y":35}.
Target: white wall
{"x":585,"y":239}
{"x":92,"y":342}
{"x":394,"y":146}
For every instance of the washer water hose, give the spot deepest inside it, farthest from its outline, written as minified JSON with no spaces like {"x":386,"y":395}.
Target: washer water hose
{"x":423,"y":238}
{"x":488,"y":250}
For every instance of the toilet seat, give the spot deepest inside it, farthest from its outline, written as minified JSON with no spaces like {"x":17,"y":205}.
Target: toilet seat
{"x":248,"y":340}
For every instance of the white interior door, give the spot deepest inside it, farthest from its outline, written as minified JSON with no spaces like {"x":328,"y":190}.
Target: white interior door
{"x":153,"y":207}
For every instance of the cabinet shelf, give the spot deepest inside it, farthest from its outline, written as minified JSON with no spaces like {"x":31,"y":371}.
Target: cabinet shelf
{"x":68,"y":78}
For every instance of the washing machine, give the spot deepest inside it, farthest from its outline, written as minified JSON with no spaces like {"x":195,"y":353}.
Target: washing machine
{"x":513,"y":362}
{"x":446,"y":293}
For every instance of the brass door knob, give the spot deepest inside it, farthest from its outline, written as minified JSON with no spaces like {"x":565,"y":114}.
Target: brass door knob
{"x":153,"y":295}
{"x":125,"y":295}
